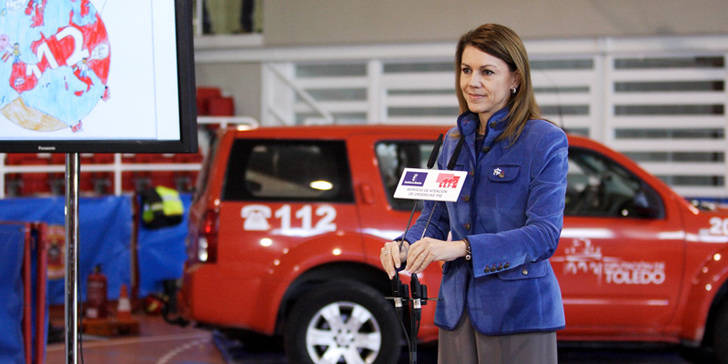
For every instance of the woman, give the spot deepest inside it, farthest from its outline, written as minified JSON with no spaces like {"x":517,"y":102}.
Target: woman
{"x":499,"y":301}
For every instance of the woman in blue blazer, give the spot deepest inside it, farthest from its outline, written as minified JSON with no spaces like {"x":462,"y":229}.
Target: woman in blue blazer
{"x":499,"y":300}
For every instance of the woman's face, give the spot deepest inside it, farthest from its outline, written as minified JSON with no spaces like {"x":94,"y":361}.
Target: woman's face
{"x":485,"y":81}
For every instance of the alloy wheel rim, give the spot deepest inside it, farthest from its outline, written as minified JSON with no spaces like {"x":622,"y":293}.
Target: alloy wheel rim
{"x":343,"y":332}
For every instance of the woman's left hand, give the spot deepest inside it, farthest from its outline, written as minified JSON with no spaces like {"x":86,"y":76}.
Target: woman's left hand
{"x":427,"y":250}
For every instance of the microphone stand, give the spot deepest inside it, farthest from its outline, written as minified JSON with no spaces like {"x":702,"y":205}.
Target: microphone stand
{"x":400,"y":293}
{"x":417,"y":289}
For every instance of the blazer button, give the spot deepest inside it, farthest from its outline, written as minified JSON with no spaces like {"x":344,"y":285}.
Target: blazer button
{"x":466,"y":198}
{"x":500,"y":266}
{"x":524,"y":272}
{"x":467,"y":226}
{"x":486,"y":270}
{"x":506,"y":265}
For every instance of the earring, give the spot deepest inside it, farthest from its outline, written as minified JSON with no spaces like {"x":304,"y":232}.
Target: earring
{"x":513,"y":91}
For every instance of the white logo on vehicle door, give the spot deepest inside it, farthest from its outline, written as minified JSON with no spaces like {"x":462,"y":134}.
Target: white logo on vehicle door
{"x":256,"y":217}
{"x":718,"y":226}
{"x":582,"y":257}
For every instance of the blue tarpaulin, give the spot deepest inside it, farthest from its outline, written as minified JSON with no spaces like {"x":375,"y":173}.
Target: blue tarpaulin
{"x":161,"y":253}
{"x":105,"y":226}
{"x":34,"y":256}
{"x":12,"y":242}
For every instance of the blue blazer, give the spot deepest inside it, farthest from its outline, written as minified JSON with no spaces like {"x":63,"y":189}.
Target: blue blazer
{"x":511,"y":210}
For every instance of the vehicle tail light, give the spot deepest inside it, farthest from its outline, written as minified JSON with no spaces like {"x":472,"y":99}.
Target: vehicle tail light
{"x":207,"y":241}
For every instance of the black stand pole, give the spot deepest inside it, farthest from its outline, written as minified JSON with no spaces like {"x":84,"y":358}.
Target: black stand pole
{"x":71,"y":299}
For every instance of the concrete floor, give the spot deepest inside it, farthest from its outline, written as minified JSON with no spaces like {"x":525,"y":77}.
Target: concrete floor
{"x":157,"y":343}
{"x":162,"y":343}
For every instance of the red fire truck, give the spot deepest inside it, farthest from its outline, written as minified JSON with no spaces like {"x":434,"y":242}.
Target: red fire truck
{"x":288,"y":222}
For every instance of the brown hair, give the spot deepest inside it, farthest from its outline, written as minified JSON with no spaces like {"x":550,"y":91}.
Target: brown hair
{"x":501,"y":42}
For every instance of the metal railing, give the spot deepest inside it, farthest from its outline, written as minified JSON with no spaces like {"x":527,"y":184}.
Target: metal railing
{"x":118,"y":167}
{"x":660,"y":100}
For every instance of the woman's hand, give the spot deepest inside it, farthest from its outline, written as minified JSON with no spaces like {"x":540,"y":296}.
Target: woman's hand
{"x":427,"y":250}
{"x":392,"y":256}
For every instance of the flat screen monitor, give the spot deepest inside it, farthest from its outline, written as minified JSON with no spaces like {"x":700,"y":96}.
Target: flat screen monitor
{"x":97,"y":76}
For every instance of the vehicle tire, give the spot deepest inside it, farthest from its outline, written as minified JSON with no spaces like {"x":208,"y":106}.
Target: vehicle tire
{"x":342,"y":322}
{"x":720,"y":334}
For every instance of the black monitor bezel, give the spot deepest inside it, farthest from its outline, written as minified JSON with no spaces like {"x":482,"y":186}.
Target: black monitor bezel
{"x":187,"y":143}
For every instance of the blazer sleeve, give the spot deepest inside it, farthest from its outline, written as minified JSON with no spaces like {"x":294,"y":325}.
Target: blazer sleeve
{"x":538,"y":238}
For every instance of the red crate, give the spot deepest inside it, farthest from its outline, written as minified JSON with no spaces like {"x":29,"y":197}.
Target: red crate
{"x":204,"y":94}
{"x":221,"y":106}
{"x":163,"y":178}
{"x":35,"y":184}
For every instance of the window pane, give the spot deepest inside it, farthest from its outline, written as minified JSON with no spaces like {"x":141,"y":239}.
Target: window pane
{"x":565,"y":109}
{"x":712,"y":133}
{"x":705,"y":157}
{"x":393,"y":158}
{"x":330,"y":70}
{"x":597,"y":186}
{"x":419,"y":67}
{"x":664,"y":86}
{"x":715,"y":109}
{"x":230,"y":17}
{"x":562,"y":64}
{"x":682,"y":62}
{"x":561,"y":89}
{"x":336,"y":94}
{"x":288,"y":170}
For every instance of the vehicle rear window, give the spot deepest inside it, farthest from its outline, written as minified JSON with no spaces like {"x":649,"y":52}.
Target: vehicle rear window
{"x":393,"y":158}
{"x":299,"y":170}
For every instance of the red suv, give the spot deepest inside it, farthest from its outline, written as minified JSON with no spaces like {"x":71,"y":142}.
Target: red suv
{"x":288,"y":222}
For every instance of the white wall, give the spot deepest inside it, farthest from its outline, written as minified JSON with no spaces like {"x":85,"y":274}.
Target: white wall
{"x":240,"y":80}
{"x":296,"y":22}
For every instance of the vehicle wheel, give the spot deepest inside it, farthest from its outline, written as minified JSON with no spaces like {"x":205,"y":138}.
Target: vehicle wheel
{"x":720,"y":334}
{"x":342,"y":322}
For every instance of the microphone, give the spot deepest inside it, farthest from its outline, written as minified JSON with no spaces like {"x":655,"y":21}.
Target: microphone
{"x":435,"y":152}
{"x":456,"y":154}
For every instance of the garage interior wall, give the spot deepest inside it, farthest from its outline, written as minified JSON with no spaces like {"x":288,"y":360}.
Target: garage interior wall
{"x":300,"y":23}
{"x":364,"y":21}
{"x":646,"y":78}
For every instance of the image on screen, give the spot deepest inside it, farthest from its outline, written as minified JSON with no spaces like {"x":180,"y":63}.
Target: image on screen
{"x":84,"y":72}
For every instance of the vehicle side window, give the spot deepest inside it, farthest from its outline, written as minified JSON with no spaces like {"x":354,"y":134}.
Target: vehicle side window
{"x":598,"y":186}
{"x":393,"y":158}
{"x":300,"y":170}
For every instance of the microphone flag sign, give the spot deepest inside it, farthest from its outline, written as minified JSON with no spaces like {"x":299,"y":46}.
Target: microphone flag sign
{"x":430,"y":184}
